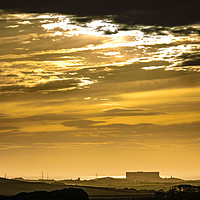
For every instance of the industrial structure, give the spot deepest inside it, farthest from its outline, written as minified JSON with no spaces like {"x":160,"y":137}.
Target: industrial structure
{"x":143,"y":176}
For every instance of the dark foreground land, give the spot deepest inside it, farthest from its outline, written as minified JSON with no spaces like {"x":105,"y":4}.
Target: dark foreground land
{"x":64,"y":194}
{"x":180,"y":192}
{"x":23,"y":190}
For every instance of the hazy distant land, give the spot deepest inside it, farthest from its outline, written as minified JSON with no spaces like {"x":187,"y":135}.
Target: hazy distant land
{"x":100,"y":188}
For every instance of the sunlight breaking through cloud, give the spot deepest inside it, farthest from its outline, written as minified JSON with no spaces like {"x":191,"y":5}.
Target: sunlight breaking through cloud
{"x":63,"y":46}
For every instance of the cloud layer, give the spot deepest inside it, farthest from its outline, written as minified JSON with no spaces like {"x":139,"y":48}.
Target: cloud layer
{"x":79,"y":90}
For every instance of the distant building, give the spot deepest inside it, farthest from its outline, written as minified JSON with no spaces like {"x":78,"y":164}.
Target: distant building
{"x":143,"y":176}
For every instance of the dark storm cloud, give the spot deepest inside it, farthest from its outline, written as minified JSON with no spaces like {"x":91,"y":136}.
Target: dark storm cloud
{"x":157,"y":30}
{"x":126,"y":12}
{"x":164,"y":17}
{"x":129,"y":112}
{"x":193,"y":55}
{"x":193,"y":62}
{"x":190,"y":59}
{"x":185,"y":31}
{"x":176,"y":31}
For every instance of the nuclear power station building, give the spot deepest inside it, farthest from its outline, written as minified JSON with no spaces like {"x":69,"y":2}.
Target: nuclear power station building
{"x":143,"y":176}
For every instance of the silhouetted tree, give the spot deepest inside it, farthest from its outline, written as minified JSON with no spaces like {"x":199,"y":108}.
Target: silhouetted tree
{"x":184,"y":192}
{"x":161,"y":194}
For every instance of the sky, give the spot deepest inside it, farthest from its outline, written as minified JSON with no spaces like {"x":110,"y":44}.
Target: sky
{"x":84,"y":94}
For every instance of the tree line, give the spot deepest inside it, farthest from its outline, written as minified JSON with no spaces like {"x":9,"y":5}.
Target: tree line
{"x":64,"y":194}
{"x":180,"y":192}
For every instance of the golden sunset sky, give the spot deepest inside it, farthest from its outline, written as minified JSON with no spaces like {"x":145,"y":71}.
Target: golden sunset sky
{"x":81,"y":95}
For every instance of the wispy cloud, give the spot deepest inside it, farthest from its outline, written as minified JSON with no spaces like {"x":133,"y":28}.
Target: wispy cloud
{"x":39,"y":117}
{"x":81,"y":123}
{"x":98,"y":90}
{"x":129,"y":112}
